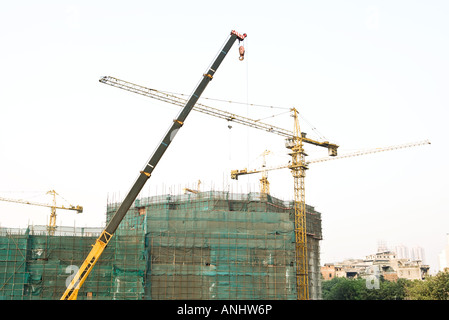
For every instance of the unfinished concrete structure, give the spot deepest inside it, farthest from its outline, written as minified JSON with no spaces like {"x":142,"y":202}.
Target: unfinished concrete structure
{"x":208,"y":245}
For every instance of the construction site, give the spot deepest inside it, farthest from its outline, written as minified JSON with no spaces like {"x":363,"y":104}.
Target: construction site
{"x":206,"y":245}
{"x":202,"y":245}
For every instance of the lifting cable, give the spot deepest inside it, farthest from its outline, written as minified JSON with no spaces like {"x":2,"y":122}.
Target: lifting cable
{"x":314,"y":129}
{"x":229,"y":101}
{"x":274,"y":115}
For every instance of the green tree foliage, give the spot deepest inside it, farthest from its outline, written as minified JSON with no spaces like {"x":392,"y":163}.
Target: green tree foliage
{"x":341,"y":289}
{"x":357,"y":289}
{"x":433,"y":288}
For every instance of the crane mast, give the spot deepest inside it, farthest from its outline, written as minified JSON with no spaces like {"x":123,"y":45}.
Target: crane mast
{"x":298,"y":169}
{"x":103,"y":240}
{"x":264,"y":184}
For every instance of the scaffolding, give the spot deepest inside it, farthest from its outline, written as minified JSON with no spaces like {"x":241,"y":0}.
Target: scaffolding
{"x":206,"y":246}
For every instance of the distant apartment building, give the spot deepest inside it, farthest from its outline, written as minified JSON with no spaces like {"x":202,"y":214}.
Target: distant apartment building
{"x":385,"y":263}
{"x":346,"y":269}
{"x":402,"y":252}
{"x":417,"y":254}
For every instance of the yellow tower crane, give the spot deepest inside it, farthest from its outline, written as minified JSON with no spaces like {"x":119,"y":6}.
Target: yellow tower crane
{"x":294,"y":141}
{"x":298,"y":168}
{"x":192,"y":190}
{"x":52,"y":222}
{"x":264,"y":184}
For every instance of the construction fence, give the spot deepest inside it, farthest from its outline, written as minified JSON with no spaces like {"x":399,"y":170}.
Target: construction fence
{"x":210,"y":245}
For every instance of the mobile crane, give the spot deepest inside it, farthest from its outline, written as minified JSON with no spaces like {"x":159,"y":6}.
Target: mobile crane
{"x":71,"y":292}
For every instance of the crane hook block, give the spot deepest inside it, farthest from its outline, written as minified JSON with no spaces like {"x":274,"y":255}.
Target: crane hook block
{"x":241,"y":52}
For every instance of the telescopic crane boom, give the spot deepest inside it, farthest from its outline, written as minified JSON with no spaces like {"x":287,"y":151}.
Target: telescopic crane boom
{"x":102,"y":241}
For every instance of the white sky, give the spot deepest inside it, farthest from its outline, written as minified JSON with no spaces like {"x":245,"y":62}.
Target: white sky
{"x":365,"y":73}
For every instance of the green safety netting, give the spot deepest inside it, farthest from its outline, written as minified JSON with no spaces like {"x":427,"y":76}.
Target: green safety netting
{"x":209,"y":245}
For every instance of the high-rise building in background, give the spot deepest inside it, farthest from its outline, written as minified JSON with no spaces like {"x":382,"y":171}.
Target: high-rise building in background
{"x":402,"y":252}
{"x":417,"y":254}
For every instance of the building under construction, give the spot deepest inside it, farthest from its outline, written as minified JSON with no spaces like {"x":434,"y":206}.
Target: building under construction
{"x":208,"y":245}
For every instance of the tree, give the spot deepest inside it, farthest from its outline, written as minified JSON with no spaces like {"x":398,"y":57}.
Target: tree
{"x":432,"y":288}
{"x":394,"y":290}
{"x":341,"y":289}
{"x":357,"y":289}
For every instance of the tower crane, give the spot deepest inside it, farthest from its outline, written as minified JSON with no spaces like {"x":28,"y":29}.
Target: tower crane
{"x":52,"y":222}
{"x":80,"y":277}
{"x":294,"y":141}
{"x":264,"y":184}
{"x":298,"y":166}
{"x":192,"y":190}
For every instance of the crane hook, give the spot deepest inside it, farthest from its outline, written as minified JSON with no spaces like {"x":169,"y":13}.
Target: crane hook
{"x":241,"y":52}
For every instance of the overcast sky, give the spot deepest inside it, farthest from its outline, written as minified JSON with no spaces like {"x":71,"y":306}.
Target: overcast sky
{"x":365,"y":74}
